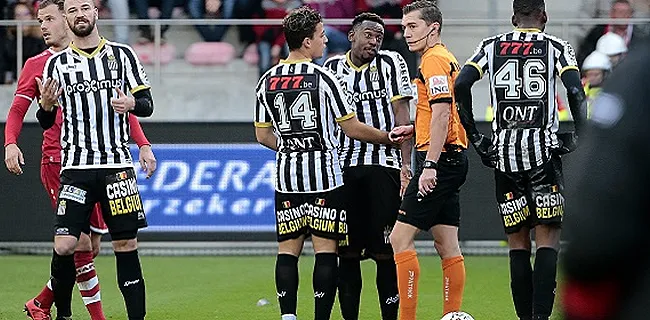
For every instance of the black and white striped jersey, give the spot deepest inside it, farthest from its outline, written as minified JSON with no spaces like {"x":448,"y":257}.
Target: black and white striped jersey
{"x":93,"y":135}
{"x":303,"y":103}
{"x":371,"y":89}
{"x":524,"y":66}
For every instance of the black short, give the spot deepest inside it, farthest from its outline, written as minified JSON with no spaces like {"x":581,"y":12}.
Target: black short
{"x":373,"y":201}
{"x":320,"y":214}
{"x":537,"y":191}
{"x":442,"y":206}
{"x":115,"y":189}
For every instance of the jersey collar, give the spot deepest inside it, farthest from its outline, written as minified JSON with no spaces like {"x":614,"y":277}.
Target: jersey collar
{"x":528,"y":30}
{"x":102,"y":42}
{"x":351,"y":64}
{"x":435,"y":45}
{"x":287,"y":61}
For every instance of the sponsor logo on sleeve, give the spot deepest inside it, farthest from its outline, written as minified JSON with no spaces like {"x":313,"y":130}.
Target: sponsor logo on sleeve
{"x":438,"y":85}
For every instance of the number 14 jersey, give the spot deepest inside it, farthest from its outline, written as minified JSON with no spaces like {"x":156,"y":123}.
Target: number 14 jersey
{"x":523,"y":65}
{"x":303,"y":103}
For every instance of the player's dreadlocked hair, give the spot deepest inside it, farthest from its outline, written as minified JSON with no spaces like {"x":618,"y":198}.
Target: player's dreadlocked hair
{"x":528,"y":7}
{"x":428,"y":9}
{"x":44,"y":3}
{"x":299,"y":24}
{"x":367,"y":16}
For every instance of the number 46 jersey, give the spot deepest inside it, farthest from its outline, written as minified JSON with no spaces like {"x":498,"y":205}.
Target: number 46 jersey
{"x":524,"y":66}
{"x":303,"y":103}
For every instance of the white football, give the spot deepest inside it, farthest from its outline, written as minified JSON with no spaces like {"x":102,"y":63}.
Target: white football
{"x":458,"y":315}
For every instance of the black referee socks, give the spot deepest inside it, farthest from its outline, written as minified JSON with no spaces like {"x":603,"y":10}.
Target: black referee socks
{"x":286,"y":282}
{"x":521,"y":282}
{"x":387,"y":288}
{"x":324,"y":281}
{"x":544,"y":282}
{"x":63,"y":274}
{"x":131,"y":283}
{"x":350,"y":283}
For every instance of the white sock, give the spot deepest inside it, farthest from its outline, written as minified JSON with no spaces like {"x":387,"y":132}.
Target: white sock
{"x":289,"y":317}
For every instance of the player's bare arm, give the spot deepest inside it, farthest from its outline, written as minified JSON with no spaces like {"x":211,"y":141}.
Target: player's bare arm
{"x":463,"y":93}
{"x":403,"y":118}
{"x":354,"y":129}
{"x":440,"y":113}
{"x":147,"y":159}
{"x":24,"y":95}
{"x":266,"y":137}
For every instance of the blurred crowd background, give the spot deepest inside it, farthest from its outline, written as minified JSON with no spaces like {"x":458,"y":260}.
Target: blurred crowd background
{"x":224,"y":54}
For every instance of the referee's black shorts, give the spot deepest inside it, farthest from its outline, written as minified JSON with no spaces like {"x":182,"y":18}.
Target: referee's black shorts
{"x":373,"y":200}
{"x":442,"y":206}
{"x":531,"y":197}
{"x":116,"y":190}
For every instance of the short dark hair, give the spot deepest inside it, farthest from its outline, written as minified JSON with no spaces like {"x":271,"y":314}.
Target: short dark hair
{"x":367,"y":16}
{"x":44,"y":3}
{"x":428,"y":10}
{"x":299,"y":24}
{"x":528,"y":7}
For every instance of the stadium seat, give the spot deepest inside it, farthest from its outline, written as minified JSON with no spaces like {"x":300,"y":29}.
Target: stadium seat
{"x":210,"y":53}
{"x":146,"y":53}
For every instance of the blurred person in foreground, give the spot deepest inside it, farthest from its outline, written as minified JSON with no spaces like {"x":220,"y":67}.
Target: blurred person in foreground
{"x":607,"y":276}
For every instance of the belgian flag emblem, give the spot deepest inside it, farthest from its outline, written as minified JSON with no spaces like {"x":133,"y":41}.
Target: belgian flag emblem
{"x":555,"y":188}
{"x":509,"y":196}
{"x":320,"y":202}
{"x":122,"y":176}
{"x":286,"y":204}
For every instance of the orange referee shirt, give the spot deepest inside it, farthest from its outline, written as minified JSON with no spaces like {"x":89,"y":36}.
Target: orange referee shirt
{"x":438,"y":71}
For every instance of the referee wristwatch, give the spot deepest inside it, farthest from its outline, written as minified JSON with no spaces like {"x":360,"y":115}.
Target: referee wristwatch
{"x":430,"y":164}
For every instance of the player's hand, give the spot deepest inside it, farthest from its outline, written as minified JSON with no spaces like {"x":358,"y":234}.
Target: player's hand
{"x":427,"y":182}
{"x":405,"y":178}
{"x":275,"y":51}
{"x":400,"y":134}
{"x":50,"y":93}
{"x":486,"y":151}
{"x":568,"y":143}
{"x":14,"y":159}
{"x":212,"y":6}
{"x":123,"y":103}
{"x":147,"y":160}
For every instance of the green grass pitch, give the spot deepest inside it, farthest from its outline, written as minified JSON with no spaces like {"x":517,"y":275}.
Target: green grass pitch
{"x":188,"y":288}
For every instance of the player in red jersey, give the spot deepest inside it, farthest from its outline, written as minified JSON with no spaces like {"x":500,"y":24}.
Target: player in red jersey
{"x":30,"y":88}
